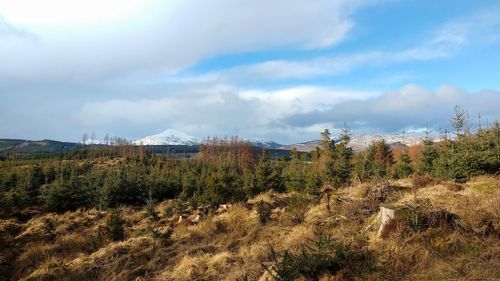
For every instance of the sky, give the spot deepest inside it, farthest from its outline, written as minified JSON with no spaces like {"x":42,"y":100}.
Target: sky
{"x":281,"y":70}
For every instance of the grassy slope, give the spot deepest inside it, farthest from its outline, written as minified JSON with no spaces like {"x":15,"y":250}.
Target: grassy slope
{"x":73,"y":246}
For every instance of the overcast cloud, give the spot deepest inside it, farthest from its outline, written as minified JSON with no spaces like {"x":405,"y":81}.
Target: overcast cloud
{"x":282,"y":70}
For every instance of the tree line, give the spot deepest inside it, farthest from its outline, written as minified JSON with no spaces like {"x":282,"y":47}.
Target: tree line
{"x":233,"y":170}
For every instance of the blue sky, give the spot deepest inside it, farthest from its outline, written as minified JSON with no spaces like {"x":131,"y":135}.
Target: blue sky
{"x":281,"y":70}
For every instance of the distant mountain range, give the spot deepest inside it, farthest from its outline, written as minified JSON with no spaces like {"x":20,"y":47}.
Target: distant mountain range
{"x":168,"y":137}
{"x":180,"y":139}
{"x":174,"y":137}
{"x":360,"y":142}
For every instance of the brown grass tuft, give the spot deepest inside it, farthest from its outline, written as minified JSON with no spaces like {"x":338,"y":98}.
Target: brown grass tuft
{"x":422,"y":181}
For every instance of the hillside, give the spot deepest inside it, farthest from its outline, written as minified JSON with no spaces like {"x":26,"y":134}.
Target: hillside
{"x":236,"y":212}
{"x":454,"y":237}
{"x":35,"y":147}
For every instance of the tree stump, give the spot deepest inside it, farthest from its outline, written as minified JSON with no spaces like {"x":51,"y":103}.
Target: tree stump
{"x":385,"y":215}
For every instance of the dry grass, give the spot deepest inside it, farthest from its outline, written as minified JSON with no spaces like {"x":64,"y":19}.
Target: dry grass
{"x":422,"y":181}
{"x":359,"y":190}
{"x":234,"y":244}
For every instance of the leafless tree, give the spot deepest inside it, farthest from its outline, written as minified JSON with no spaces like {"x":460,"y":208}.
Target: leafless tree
{"x":458,"y":120}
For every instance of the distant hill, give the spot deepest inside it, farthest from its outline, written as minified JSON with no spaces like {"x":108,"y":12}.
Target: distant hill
{"x":360,"y":142}
{"x":175,"y":142}
{"x":35,"y":147}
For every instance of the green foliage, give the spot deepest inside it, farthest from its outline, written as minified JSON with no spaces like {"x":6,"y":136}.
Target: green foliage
{"x":364,"y":166}
{"x":323,"y":256}
{"x":264,"y":210}
{"x":428,"y":157}
{"x":164,"y":234}
{"x":328,"y":157}
{"x":294,"y":173}
{"x":375,"y":162}
{"x":345,"y":165}
{"x":469,"y":155}
{"x":149,"y":208}
{"x":222,"y":185}
{"x":126,"y":186}
{"x":81,"y":181}
{"x":297,"y":207}
{"x":336,"y":159}
{"x":114,"y":226}
{"x":403,"y":168}
{"x":68,"y":195}
{"x":345,"y":159}
{"x":177,"y":206}
{"x":28,"y":186}
{"x":415,"y":218}
{"x":267,"y":176}
{"x":382,"y":157}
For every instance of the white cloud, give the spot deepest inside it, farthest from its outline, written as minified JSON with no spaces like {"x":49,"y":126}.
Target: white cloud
{"x":167,"y":36}
{"x":442,"y":43}
{"x":217,"y":110}
{"x":407,"y":108}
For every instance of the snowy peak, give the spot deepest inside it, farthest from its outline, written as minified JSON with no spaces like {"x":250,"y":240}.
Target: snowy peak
{"x":168,"y":137}
{"x":258,"y":142}
{"x":360,"y":142}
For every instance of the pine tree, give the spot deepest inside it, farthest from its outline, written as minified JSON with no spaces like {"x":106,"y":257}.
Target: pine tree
{"x":404,"y":167}
{"x":375,"y":162}
{"x":62,"y":189}
{"x":267,"y":176}
{"x":383,"y":159}
{"x":114,"y":225}
{"x":28,"y":186}
{"x":149,"y":208}
{"x":458,"y":121}
{"x":364,"y":164}
{"x":328,"y":155}
{"x":295,"y":180}
{"x":345,"y":156}
{"x":428,"y":156}
{"x":314,"y":179}
{"x":112,"y":189}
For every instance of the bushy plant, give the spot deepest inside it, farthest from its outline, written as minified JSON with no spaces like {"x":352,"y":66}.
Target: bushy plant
{"x":403,"y":168}
{"x":323,"y":256}
{"x":60,"y":190}
{"x":297,"y":207}
{"x":267,"y":176}
{"x":163,"y":234}
{"x":114,"y":226}
{"x":264,"y":210}
{"x":149,"y":208}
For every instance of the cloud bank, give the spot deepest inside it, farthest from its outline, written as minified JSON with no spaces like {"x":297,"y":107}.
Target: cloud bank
{"x":283,"y":70}
{"x":171,"y":36}
{"x":409,"y":108}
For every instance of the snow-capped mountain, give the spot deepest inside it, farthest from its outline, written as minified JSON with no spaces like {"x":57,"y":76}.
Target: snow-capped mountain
{"x":360,"y":142}
{"x":263,"y":143}
{"x":168,"y":137}
{"x":94,"y":142}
